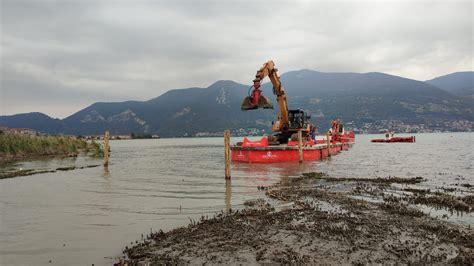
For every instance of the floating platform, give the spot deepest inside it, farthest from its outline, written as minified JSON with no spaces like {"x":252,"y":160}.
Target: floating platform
{"x":261,"y":152}
{"x":396,"y":139}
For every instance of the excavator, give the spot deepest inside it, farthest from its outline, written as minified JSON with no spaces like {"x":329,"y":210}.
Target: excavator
{"x":288,"y":122}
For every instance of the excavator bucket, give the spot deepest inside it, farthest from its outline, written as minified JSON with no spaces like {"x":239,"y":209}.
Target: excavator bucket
{"x":263,"y":102}
{"x":247,"y":104}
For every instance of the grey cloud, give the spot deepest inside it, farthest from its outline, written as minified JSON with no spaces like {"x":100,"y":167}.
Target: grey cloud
{"x":87,"y":51}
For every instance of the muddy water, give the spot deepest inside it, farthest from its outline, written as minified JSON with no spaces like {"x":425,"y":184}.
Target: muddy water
{"x":87,"y":216}
{"x":443,"y":159}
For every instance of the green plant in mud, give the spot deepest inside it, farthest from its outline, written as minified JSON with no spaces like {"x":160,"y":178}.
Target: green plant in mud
{"x":95,"y":149}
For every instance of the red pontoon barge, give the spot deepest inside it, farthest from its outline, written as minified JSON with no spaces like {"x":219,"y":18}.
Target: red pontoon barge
{"x":261,"y":152}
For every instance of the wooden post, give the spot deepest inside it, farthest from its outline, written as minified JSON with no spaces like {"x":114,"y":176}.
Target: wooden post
{"x":106,"y":148}
{"x":328,"y":143}
{"x":227,"y":153}
{"x":300,"y":146}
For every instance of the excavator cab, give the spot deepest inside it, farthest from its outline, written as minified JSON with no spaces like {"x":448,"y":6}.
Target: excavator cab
{"x":298,"y":120}
{"x":256,"y":99}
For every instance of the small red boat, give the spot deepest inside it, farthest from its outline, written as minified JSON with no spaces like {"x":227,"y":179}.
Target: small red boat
{"x":396,"y":139}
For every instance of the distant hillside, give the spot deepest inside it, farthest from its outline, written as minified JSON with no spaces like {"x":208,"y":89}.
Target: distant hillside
{"x":459,"y":83}
{"x":369,"y":101}
{"x":38,"y":121}
{"x":181,"y":112}
{"x":371,"y":97}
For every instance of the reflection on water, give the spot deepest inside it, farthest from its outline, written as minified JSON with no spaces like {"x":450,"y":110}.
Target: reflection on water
{"x":79,"y":217}
{"x":261,"y":174}
{"x":106,"y":172}
{"x":228,"y":195}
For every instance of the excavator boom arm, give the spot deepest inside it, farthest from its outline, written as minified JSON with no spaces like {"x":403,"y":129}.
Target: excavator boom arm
{"x":256,"y":100}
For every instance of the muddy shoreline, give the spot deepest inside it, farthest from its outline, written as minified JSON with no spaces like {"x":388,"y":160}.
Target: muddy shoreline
{"x":5,"y":160}
{"x":28,"y":172}
{"x":325,"y":220}
{"x":11,"y":172}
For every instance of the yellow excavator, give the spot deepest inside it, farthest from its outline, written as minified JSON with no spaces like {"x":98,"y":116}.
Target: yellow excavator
{"x":288,"y":122}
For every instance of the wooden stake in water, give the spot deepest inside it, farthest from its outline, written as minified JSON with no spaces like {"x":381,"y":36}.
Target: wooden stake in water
{"x":227,"y":153}
{"x":106,"y":148}
{"x":300,"y":146}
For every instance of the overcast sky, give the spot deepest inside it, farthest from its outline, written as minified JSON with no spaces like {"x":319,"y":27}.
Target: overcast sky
{"x":60,"y":56}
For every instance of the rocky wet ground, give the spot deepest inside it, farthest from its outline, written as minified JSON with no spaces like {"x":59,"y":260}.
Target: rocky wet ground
{"x":329,"y":220}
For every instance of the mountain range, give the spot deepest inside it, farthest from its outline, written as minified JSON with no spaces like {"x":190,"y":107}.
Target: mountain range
{"x":366,"y":101}
{"x":459,"y":83}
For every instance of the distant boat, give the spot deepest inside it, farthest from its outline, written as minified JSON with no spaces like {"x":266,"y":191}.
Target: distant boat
{"x":396,"y":139}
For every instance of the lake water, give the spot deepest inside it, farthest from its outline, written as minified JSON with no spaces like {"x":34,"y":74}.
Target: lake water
{"x":87,"y":216}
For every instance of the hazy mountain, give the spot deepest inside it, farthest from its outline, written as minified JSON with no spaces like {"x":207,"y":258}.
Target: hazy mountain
{"x":356,"y":98}
{"x":371,"y":97}
{"x":38,"y":121}
{"x":458,"y":83}
{"x":176,"y":113}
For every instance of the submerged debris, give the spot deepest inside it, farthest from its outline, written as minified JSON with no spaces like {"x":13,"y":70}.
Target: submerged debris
{"x":401,"y":209}
{"x":445,"y":201}
{"x":255,"y":202}
{"x":417,"y":190}
{"x":388,"y":180}
{"x":25,"y":172}
{"x":466,"y":185}
{"x":436,"y":199}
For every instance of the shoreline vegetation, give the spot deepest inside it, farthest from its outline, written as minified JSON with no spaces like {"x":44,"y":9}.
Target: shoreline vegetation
{"x":318,"y":219}
{"x":15,"y":147}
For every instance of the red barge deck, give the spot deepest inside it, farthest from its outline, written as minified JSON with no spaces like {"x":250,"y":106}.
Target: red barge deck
{"x":283,"y":153}
{"x":261,"y":152}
